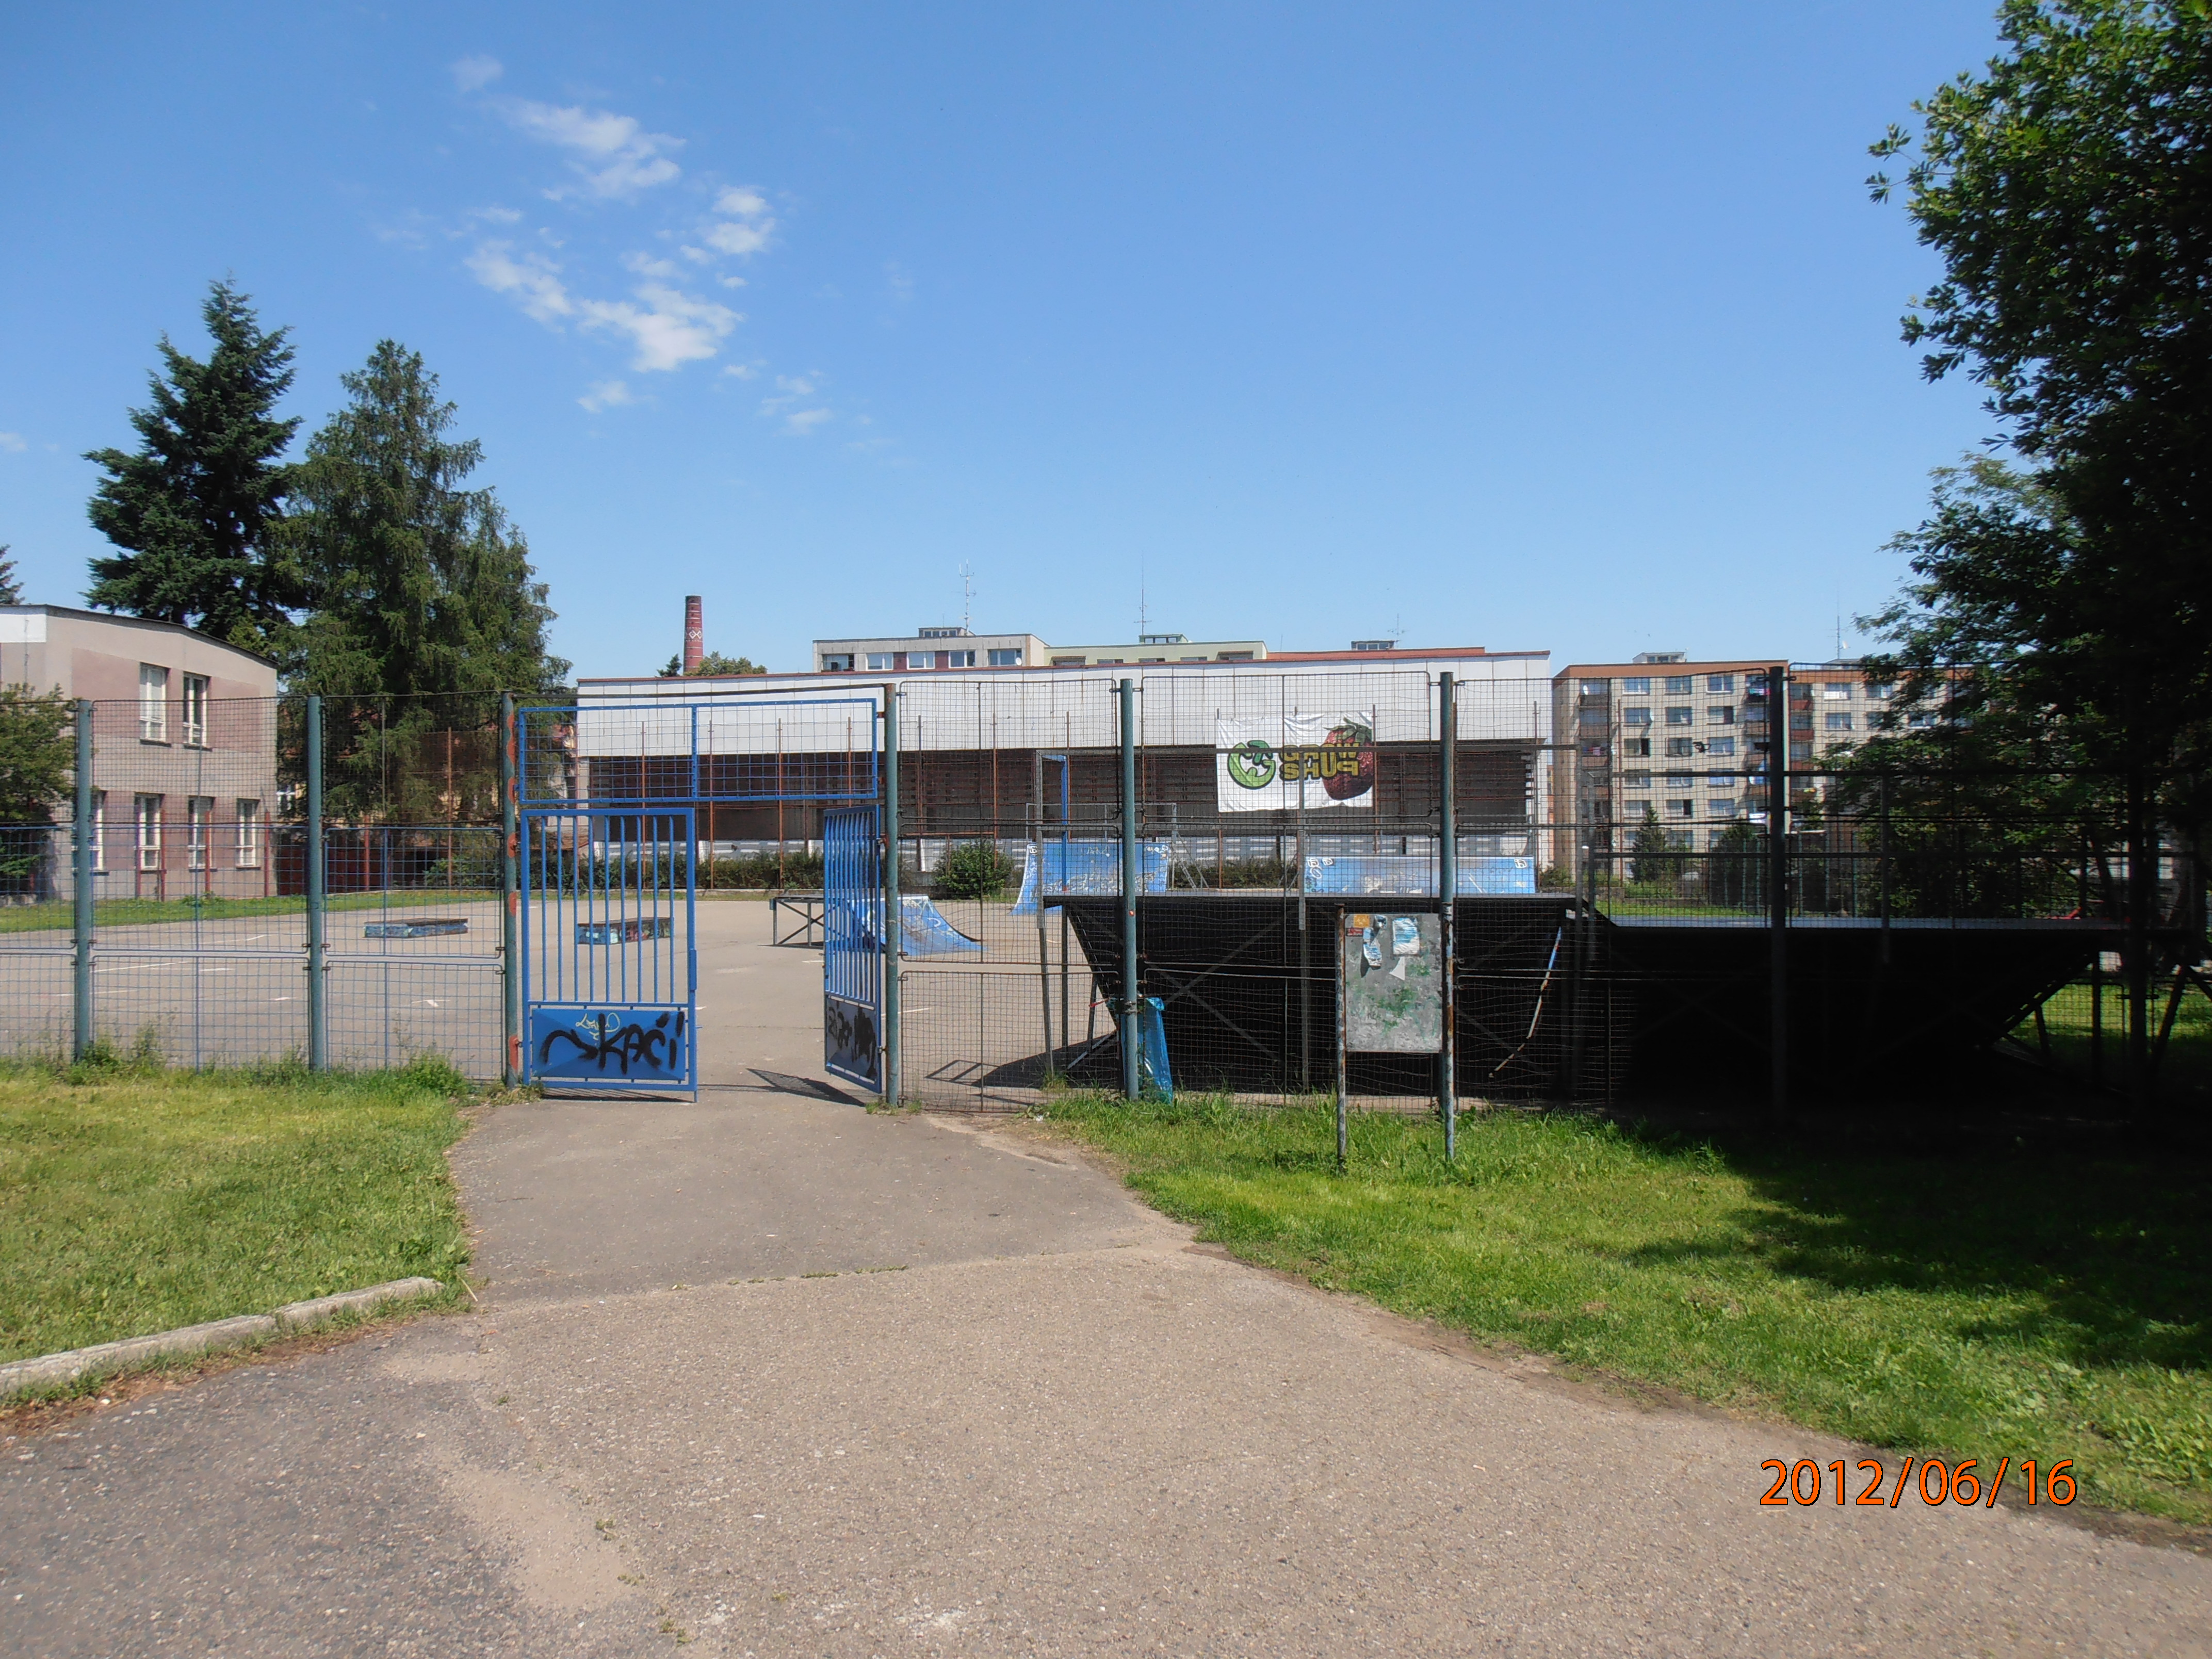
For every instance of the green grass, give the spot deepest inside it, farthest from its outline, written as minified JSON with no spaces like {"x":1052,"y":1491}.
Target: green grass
{"x":2024,"y":1303}
{"x":132,"y":912}
{"x":133,"y":1200}
{"x":2184,"y":1076}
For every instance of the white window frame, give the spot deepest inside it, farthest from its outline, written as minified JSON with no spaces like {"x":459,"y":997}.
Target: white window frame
{"x":196,"y":711}
{"x":199,"y":818}
{"x":99,"y":831}
{"x":249,"y":835}
{"x":146,"y":830}
{"x":153,"y":703}
{"x":879,"y":662}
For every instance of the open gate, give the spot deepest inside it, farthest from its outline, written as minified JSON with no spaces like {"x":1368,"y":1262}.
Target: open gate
{"x":610,"y":973}
{"x":853,"y":946}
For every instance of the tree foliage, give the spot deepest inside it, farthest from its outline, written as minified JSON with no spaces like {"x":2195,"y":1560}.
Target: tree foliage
{"x":11,"y":581}
{"x":195,"y":507}
{"x":38,"y":753}
{"x":714,"y":662}
{"x":423,"y":607}
{"x":2068,"y":192}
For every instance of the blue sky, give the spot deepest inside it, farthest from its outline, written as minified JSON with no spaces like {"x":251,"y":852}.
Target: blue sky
{"x":1519,"y":326}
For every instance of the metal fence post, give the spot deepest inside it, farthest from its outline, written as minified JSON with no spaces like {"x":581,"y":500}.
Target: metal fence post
{"x":1130,"y":882}
{"x":82,"y":850}
{"x":510,"y":872}
{"x":1778,"y":896}
{"x":1448,"y":902}
{"x":319,"y":1055}
{"x":894,"y":927}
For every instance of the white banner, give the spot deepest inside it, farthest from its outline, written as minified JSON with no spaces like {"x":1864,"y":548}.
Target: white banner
{"x":1322,"y":759}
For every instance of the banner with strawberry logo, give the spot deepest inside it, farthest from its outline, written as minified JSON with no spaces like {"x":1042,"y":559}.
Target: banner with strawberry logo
{"x":1310,"y":760}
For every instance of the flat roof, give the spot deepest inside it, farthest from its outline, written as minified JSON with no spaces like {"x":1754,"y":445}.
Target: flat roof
{"x":1272,"y":659}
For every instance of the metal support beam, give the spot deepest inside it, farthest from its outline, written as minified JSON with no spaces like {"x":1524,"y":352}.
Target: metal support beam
{"x":83,"y":848}
{"x":510,"y":872}
{"x":319,"y":1049}
{"x":1778,"y":891}
{"x":1131,"y":882}
{"x":1447,"y":903}
{"x":894,"y":930}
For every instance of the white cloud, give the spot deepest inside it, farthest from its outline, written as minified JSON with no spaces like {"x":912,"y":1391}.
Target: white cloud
{"x":739,"y":371}
{"x":498,"y":216}
{"x":646,"y":266}
{"x":12,"y":443}
{"x":613,"y":154}
{"x":671,"y":329}
{"x":800,"y":421}
{"x":792,"y":390}
{"x":532,"y":280}
{"x":746,"y":227}
{"x":607,"y":394}
{"x":476,"y":71}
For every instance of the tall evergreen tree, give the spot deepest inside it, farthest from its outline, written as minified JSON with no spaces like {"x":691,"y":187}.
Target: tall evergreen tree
{"x":196,"y":508}
{"x":423,"y":608}
{"x":11,"y":582}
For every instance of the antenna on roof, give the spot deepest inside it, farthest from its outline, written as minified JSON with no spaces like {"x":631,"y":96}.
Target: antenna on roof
{"x":1144,"y":614}
{"x":967,"y":599}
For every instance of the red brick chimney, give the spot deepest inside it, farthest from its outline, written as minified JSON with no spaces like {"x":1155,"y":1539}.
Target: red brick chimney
{"x":694,"y":633}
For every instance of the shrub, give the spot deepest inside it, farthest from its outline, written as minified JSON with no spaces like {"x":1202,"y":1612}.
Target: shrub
{"x":976,"y":869}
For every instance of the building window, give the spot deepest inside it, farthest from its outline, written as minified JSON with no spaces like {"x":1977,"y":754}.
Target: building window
{"x":148,"y":810}
{"x":1720,"y":682}
{"x":1678,"y":714}
{"x":1720,"y":809}
{"x":1682,"y":809}
{"x":1678,"y":746}
{"x":99,"y":829}
{"x":1011,"y":657}
{"x":1681,"y":682}
{"x":1720,"y":746}
{"x":1681,"y":780}
{"x":249,"y":835}
{"x":1067,"y":662}
{"x":1838,"y":722}
{"x":956,"y":659}
{"x":1639,"y":748}
{"x":1594,"y":687}
{"x":1800,"y":751}
{"x":1835,"y":690}
{"x":1636,"y":717}
{"x":1878,"y":693}
{"x":1801,"y":720}
{"x":878,"y":661}
{"x":1636,"y":685}
{"x":1684,"y":838}
{"x":1109,"y":662}
{"x":1635,"y":780}
{"x":198,"y":811}
{"x":196,"y":710}
{"x":1720,"y":713}
{"x":841,"y":663}
{"x":152,"y":704}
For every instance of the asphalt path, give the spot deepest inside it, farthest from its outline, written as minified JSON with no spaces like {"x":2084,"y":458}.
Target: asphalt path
{"x":769,"y":1375}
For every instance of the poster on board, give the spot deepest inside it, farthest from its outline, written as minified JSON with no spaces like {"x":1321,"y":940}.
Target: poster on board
{"x":1320,"y":760}
{"x":1392,"y":985}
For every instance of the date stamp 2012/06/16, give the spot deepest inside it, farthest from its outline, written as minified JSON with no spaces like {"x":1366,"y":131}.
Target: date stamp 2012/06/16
{"x":1806,"y":1482}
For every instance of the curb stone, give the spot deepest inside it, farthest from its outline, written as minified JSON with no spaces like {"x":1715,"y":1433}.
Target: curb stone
{"x":25,"y":1376}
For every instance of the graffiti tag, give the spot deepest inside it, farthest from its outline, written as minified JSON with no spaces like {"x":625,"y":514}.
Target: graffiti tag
{"x":598,"y":1041}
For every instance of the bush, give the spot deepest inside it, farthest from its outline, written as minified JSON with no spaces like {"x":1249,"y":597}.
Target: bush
{"x":976,"y":869}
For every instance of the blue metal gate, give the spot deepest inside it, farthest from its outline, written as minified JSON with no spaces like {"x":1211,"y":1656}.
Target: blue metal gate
{"x":610,"y":971}
{"x":852,"y":947}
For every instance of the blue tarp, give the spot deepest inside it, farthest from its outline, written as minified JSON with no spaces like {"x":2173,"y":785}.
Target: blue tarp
{"x":925,"y":934}
{"x":1394,"y":875}
{"x":1088,"y":869}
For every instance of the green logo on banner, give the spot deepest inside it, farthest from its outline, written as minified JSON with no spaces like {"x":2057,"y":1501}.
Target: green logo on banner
{"x":1252,"y":765}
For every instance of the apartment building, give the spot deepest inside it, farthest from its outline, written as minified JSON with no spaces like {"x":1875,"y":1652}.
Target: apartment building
{"x":185,"y":746}
{"x":1690,"y":742}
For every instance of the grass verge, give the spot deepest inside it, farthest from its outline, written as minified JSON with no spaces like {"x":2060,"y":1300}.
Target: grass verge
{"x":2033,"y":1304}
{"x":134,"y":1199}
{"x":138,"y":912}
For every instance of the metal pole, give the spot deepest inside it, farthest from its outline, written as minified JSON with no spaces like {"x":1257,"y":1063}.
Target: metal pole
{"x":1778,"y":896}
{"x":1130,"y":884}
{"x":80,"y":847}
{"x":1305,"y":950}
{"x":1343,"y":1023}
{"x":2142,"y":896}
{"x":894,"y":923}
{"x":1447,"y":903}
{"x":510,"y":879}
{"x":1885,"y":870}
{"x":319,"y":1055}
{"x":1044,"y":945}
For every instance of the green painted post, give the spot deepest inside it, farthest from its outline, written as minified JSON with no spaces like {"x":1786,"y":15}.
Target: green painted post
{"x":319,"y":1055}
{"x":1447,"y":903}
{"x":510,"y":870}
{"x":1777,"y":894}
{"x":1131,"y":881}
{"x":894,"y":928}
{"x":81,"y":848}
